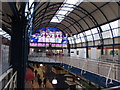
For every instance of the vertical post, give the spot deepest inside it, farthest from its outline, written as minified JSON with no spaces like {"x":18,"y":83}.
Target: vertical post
{"x":19,"y":49}
{"x":68,"y":46}
{"x":87,"y":56}
{"x":102,"y":48}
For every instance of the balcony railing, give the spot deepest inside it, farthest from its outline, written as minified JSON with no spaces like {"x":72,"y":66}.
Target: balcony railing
{"x":110,"y":70}
{"x":8,"y":80}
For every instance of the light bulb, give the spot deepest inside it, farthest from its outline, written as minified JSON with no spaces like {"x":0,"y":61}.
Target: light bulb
{"x":54,"y":81}
{"x":41,"y":64}
{"x":78,"y":78}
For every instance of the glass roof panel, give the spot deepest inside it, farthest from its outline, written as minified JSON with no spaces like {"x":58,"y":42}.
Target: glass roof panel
{"x":56,"y":20}
{"x":83,"y":39}
{"x":114,"y":24}
{"x":94,"y":30}
{"x":78,"y":40}
{"x":75,"y":36}
{"x":66,"y":8}
{"x":90,"y":38}
{"x":115,"y":32}
{"x":107,"y":34}
{"x":96,"y":36}
{"x":81,"y":34}
{"x":105,"y":27}
{"x":88,"y":32}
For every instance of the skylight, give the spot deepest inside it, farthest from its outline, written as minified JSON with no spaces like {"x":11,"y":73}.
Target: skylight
{"x":65,"y":9}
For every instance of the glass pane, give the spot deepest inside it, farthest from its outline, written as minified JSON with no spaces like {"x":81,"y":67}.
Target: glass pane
{"x":107,"y":34}
{"x":88,"y":32}
{"x":72,"y":1}
{"x":70,"y":42}
{"x":69,"y":38}
{"x":114,"y":24}
{"x":81,"y":34}
{"x":78,"y":41}
{"x":75,"y":36}
{"x":90,"y":38}
{"x":94,"y":30}
{"x":96,"y":36}
{"x":83,"y":40}
{"x":73,"y":41}
{"x":105,"y":27}
{"x":115,"y":32}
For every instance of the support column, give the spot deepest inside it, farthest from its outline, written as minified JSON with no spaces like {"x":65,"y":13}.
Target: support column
{"x":19,"y":50}
{"x":87,"y":56}
{"x":68,"y":46}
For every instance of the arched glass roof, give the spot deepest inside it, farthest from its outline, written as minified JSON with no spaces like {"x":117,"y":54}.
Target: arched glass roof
{"x":89,"y":21}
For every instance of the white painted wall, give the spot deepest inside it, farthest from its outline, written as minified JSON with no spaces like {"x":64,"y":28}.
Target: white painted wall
{"x":65,"y":52}
{"x":74,"y":52}
{"x":93,"y":53}
{"x":81,"y":52}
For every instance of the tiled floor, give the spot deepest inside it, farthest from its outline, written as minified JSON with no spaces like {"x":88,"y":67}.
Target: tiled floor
{"x":41,"y":70}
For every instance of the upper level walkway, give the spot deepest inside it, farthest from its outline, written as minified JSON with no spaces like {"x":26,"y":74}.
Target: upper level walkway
{"x":109,"y":70}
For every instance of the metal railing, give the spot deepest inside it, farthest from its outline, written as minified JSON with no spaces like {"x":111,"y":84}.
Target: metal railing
{"x":8,"y":80}
{"x":110,"y":70}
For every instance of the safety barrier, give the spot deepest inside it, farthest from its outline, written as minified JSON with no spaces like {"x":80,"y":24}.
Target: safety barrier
{"x":8,"y":80}
{"x":109,"y":70}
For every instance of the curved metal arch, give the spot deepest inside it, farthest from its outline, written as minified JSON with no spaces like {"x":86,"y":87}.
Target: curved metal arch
{"x":72,"y":12}
{"x":89,"y":14}
{"x":49,"y":6}
{"x":60,"y":23}
{"x":74,"y":19}
{"x":57,"y":14}
{"x":108,"y":23}
{"x":68,"y":28}
{"x":41,"y":15}
{"x":64,"y":20}
{"x":64,"y":26}
{"x":80,"y":25}
{"x":94,"y":19}
{"x":85,"y":37}
{"x":96,"y":22}
{"x":57,"y":28}
{"x":45,"y":11}
{"x":35,"y":10}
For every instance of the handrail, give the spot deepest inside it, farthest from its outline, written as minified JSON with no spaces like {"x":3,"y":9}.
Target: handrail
{"x":5,"y":74}
{"x":111,"y":66}
{"x":87,"y":65}
{"x":11,"y":81}
{"x":83,"y":67}
{"x":113,"y":88}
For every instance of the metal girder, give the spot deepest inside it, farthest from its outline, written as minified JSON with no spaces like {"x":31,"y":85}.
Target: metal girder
{"x":14,"y":9}
{"x":60,"y":29}
{"x":108,"y":23}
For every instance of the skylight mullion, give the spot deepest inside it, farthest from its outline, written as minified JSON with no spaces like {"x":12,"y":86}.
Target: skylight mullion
{"x":66,"y":8}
